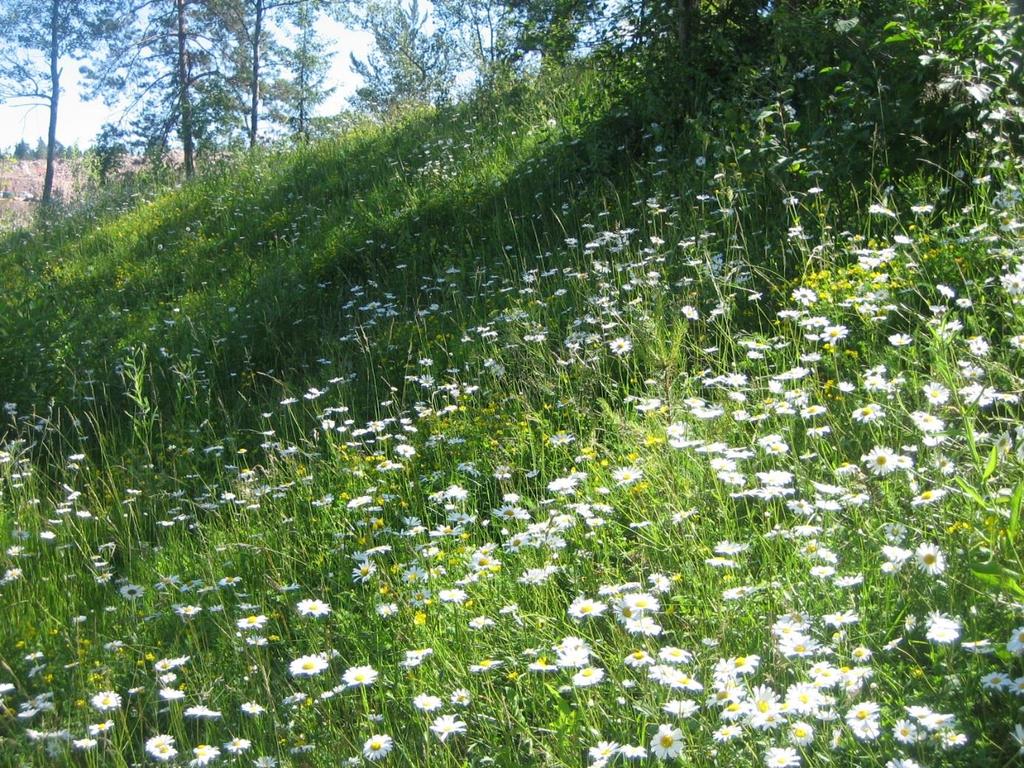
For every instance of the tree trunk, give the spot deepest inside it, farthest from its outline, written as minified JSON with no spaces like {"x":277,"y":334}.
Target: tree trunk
{"x":302,"y":102}
{"x":184,"y":97}
{"x":304,"y":23}
{"x":51,"y":134}
{"x":480,"y":51}
{"x":254,"y":82}
{"x":687,"y":21}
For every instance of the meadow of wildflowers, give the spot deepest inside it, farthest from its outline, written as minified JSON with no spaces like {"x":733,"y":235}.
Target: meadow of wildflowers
{"x":451,"y":445}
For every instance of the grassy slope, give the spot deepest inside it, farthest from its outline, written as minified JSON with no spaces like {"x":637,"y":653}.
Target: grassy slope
{"x":284,"y":231}
{"x":460,"y":284}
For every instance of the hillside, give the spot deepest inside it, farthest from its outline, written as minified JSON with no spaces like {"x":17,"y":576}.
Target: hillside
{"x":581,"y":423}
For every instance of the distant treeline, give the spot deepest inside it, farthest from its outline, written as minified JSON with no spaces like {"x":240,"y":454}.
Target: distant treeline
{"x":25,"y":151}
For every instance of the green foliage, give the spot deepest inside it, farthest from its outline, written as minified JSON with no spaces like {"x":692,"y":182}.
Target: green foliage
{"x":22,"y":151}
{"x":409,"y":66}
{"x":309,"y":62}
{"x":484,"y":34}
{"x":110,"y":151}
{"x":457,"y":375}
{"x":900,"y":82}
{"x":551,"y":28}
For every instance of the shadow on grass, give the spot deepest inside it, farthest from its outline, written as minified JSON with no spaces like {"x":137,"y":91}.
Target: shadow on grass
{"x":245,"y":272}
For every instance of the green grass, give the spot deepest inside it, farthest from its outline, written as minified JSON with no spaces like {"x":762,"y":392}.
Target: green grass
{"x":405,"y":347}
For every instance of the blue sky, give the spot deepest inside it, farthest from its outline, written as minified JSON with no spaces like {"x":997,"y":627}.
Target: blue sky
{"x":79,"y":120}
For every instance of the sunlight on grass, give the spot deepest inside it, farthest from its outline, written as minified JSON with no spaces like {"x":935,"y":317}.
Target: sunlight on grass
{"x":480,"y":441}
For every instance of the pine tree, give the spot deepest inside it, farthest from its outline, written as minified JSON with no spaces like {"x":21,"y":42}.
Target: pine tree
{"x":484,"y":33}
{"x":408,"y":65}
{"x":308,"y":60}
{"x":22,"y":150}
{"x":171,"y":65}
{"x":109,"y":149}
{"x":255,"y":53}
{"x":39,"y":38}
{"x":551,"y":28}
